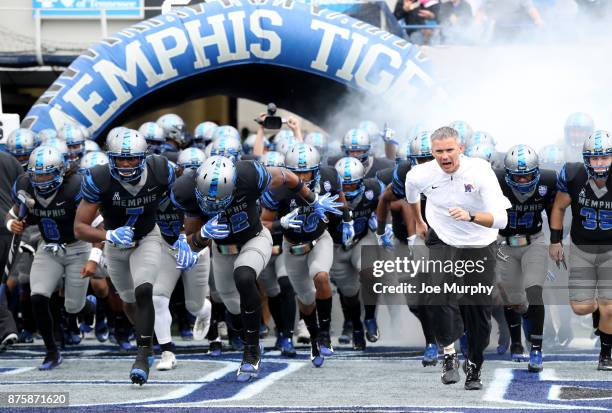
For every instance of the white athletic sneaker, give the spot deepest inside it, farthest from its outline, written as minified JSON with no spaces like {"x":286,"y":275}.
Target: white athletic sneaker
{"x":303,"y":336}
{"x":167,"y":362}
{"x":222,"y":328}
{"x":202,"y":323}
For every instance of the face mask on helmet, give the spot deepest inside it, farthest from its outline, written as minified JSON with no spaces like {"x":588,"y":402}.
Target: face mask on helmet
{"x":190,"y":158}
{"x":126,"y":168}
{"x":303,"y":158}
{"x":46,"y":170}
{"x":127,"y":155}
{"x":351,"y":173}
{"x":523,"y":182}
{"x":597,"y":152}
{"x":154,"y":147}
{"x":356,"y":144}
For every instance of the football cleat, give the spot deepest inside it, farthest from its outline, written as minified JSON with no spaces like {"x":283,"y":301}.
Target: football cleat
{"x":85,"y":328}
{"x":315,"y":354}
{"x":140,"y":369}
{"x":51,"y":361}
{"x":71,"y":338}
{"x":359,"y":342}
{"x":249,"y":367}
{"x":517,"y":352}
{"x":236,"y":343}
{"x":187,"y":335}
{"x":372,"y":333}
{"x":325,"y":345}
{"x":286,"y":346}
{"x":167,"y":361}
{"x":202,"y":322}
{"x":101,"y":330}
{"x":450,"y":369}
{"x":9,"y":340}
{"x":25,"y":336}
{"x":303,"y":336}
{"x":472,"y":379}
{"x":502,"y":348}
{"x":126,"y":346}
{"x":535,"y":361}
{"x":605,"y":363}
{"x":215,"y":347}
{"x":430,"y":356}
{"x":347,"y":329}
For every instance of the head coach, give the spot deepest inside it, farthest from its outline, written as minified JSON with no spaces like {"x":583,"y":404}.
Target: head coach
{"x":465,"y":208}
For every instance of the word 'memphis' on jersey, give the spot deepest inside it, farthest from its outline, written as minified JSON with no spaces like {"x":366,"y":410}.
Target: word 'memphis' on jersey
{"x":396,"y":176}
{"x":525,"y":217}
{"x":118,"y":206}
{"x":361,"y":208}
{"x":243,"y":213}
{"x":591,"y":206}
{"x":286,"y":201}
{"x":55,"y":221}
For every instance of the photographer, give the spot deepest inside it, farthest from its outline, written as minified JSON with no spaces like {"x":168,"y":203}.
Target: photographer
{"x":269,"y":120}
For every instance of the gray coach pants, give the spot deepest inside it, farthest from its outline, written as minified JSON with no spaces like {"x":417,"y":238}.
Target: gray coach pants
{"x":48,"y":270}
{"x":130,"y":268}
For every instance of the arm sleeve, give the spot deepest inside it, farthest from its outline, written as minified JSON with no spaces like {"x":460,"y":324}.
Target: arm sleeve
{"x":89,"y":190}
{"x":493,"y":199}
{"x":398,"y":182}
{"x":171,"y":175}
{"x":263,"y":176}
{"x":269,"y":202}
{"x":562,"y":180}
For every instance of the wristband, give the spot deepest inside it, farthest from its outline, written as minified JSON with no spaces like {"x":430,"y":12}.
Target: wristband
{"x":95,"y":255}
{"x":298,"y":187}
{"x":556,"y":235}
{"x":99,"y":219}
{"x":8,"y":224}
{"x":347,"y":215}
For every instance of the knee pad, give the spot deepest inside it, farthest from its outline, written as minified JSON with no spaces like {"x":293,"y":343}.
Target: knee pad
{"x":144,"y":292}
{"x":245,"y":279}
{"x":534,"y":295}
{"x":39,"y":301}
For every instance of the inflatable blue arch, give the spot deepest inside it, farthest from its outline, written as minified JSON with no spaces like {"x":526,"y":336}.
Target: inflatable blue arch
{"x":301,"y":57}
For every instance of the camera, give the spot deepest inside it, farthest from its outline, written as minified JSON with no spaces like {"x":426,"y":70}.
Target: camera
{"x":271,"y":121}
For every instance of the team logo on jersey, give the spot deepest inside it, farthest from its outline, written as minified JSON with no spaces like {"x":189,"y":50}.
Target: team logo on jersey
{"x":327,"y":186}
{"x":582,"y":193}
{"x":116,"y":197}
{"x":542,"y":190}
{"x":369,"y":195}
{"x":292,"y":204}
{"x":468,"y":187}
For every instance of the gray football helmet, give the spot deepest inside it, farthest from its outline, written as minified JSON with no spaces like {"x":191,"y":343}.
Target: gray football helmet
{"x":226,"y":131}
{"x":91,"y":146}
{"x":173,"y":127}
{"x":420,"y":147}
{"x":479,"y":138}
{"x":75,"y":139}
{"x":91,"y":159}
{"x":249,"y":143}
{"x":20,"y":143}
{"x":522,"y":162}
{"x":154,"y":135}
{"x":578,"y":127}
{"x":127,"y":144}
{"x":464,"y":130}
{"x":483,"y":151}
{"x":352,"y":173}
{"x":598,"y":144}
{"x":46,"y":168}
{"x":203,"y":133}
{"x":403,"y":152}
{"x":552,"y":157}
{"x":190,"y":158}
{"x":272,"y":158}
{"x":304,"y":158}
{"x":318,"y":140}
{"x":356,"y":143}
{"x":215,"y":182}
{"x":45,"y":134}
{"x":228,"y":146}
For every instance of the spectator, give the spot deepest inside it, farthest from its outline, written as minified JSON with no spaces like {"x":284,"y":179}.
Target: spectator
{"x":10,"y":169}
{"x":418,"y":12}
{"x":455,"y":16}
{"x":510,"y":16}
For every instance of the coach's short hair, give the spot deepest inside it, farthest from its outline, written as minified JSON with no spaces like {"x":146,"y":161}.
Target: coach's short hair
{"x":445,"y":132}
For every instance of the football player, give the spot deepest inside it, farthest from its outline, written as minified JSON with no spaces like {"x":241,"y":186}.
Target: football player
{"x":127,"y":193}
{"x":585,"y":188}
{"x":307,"y":243}
{"x":521,"y":260}
{"x":578,"y":127}
{"x":75,"y":141}
{"x":56,"y":195}
{"x":154,"y":135}
{"x":20,"y":143}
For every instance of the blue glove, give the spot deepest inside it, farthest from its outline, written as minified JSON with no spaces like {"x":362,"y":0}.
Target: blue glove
{"x":373,"y":222}
{"x":289,"y":222}
{"x":325,"y":203}
{"x":121,"y":237}
{"x":386,"y":240}
{"x":185,"y":258}
{"x":348,"y":233}
{"x":213,"y":230}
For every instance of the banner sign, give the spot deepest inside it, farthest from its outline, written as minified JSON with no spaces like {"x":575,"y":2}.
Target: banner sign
{"x":79,"y":9}
{"x":116,"y":72}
